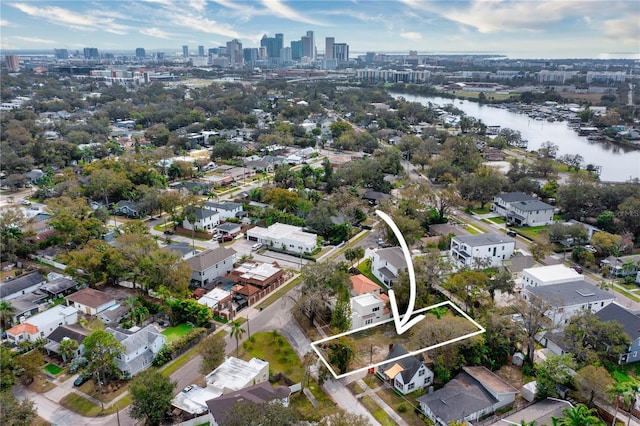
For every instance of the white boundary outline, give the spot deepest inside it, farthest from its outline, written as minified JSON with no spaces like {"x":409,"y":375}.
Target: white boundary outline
{"x":314,"y":345}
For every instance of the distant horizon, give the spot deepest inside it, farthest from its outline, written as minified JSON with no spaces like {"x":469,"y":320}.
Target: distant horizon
{"x":518,"y":29}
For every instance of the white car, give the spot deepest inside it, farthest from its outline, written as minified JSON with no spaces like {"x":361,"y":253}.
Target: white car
{"x":256,"y":246}
{"x":26,"y":202}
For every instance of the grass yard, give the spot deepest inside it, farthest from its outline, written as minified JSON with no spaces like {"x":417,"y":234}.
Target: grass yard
{"x":53,"y":369}
{"x":395,"y":401}
{"x":365,"y":268}
{"x":80,"y":405}
{"x":535,"y":233}
{"x":471,"y":230}
{"x":377,"y":412}
{"x":275,"y":349}
{"x":174,"y":333}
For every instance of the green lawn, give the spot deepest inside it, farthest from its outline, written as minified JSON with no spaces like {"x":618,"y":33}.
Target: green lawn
{"x":472,"y":230}
{"x":53,"y":369}
{"x":275,"y":349}
{"x":365,"y":269}
{"x":80,"y":405}
{"x":174,"y":333}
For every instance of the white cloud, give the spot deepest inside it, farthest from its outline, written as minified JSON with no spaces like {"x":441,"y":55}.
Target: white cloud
{"x":230,"y":4}
{"x":81,"y":21}
{"x":5,"y":23}
{"x":205,"y":25}
{"x":411,"y":35}
{"x":624,"y":30}
{"x":35,"y":40}
{"x":157,"y":32}
{"x":198,"y":5}
{"x":283,"y":11}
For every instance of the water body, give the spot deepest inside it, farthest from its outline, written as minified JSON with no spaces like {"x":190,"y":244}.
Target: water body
{"x":619,"y":164}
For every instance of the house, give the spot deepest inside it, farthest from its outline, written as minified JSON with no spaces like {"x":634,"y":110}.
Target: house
{"x":481,"y":250}
{"x":472,"y":394}
{"x":368,"y":309}
{"x":360,"y":284}
{"x":386,"y":263}
{"x":262,"y":393}
{"x":59,"y":287}
{"x":567,"y":298}
{"x":229,"y":228}
{"x":406,"y":374}
{"x":185,"y":250}
{"x":375,"y":197}
{"x":28,"y":304}
{"x":115,"y":314}
{"x":62,"y":333}
{"x":225,"y":210}
{"x":129,"y":209}
{"x":90,"y":301}
{"x":631,"y":326}
{"x":261,"y":275}
{"x":141,"y":347}
{"x":211,"y":264}
{"x":623,"y":266}
{"x":284,"y":237}
{"x":34,"y":175}
{"x":215,"y":299}
{"x":21,"y":285}
{"x":522,"y":210}
{"x":205,"y":219}
{"x":549,"y":275}
{"x":191,"y":402}
{"x":540,"y":413}
{"x":235,"y":374}
{"x":42,"y":324}
{"x":516,"y":265}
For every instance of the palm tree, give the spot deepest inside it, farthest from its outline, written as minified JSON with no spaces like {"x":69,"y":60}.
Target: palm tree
{"x":237,"y":331}
{"x":6,"y":309}
{"x":615,"y":392}
{"x":67,"y":348}
{"x":633,"y":387}
{"x":579,"y":415}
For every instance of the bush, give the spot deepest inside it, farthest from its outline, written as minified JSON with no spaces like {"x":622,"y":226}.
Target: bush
{"x":76,"y":364}
{"x":402,"y":408}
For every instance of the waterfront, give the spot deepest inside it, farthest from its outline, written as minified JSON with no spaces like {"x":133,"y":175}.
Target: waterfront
{"x":618,"y":163}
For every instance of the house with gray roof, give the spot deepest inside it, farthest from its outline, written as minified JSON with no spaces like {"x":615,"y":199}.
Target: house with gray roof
{"x":386,"y":263}
{"x":263,"y":393}
{"x":225,"y":210}
{"x":481,"y":250}
{"x":631,"y":326}
{"x":60,"y":286}
{"x":73,"y":332}
{"x":210,"y":264}
{"x":27,"y":305}
{"x":471,"y":395}
{"x":21,"y":285}
{"x":205,"y":219}
{"x":567,"y":298}
{"x":406,"y":373}
{"x":185,"y":250}
{"x":521,"y":209}
{"x":141,"y":347}
{"x":129,"y":209}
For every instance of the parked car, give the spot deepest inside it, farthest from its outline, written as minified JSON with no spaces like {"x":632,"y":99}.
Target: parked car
{"x":225,"y":238}
{"x":187,"y":389}
{"x":26,"y":202}
{"x":256,"y":246}
{"x":577,"y":268}
{"x":168,"y":232}
{"x":80,"y":380}
{"x":512,"y":233}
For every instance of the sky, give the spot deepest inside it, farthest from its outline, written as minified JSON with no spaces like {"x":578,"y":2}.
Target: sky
{"x":519,"y":29}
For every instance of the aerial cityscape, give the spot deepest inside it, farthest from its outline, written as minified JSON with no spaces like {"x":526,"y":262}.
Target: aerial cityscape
{"x":320,"y":213}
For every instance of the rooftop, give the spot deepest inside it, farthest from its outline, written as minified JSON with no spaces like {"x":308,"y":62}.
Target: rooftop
{"x":483,"y":239}
{"x":553,"y":273}
{"x":570,"y":293}
{"x":511,"y":197}
{"x":90,"y":297}
{"x":235,"y":374}
{"x":257,"y":271}
{"x":394,"y":256}
{"x":361,"y":285}
{"x":209,"y":258}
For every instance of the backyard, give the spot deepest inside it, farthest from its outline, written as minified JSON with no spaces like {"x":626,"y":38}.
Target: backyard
{"x":174,"y":333}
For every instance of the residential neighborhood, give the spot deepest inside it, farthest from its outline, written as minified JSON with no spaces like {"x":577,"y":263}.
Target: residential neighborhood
{"x":213,"y":246}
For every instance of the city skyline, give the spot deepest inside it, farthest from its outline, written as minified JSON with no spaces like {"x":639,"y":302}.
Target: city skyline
{"x":517,"y":29}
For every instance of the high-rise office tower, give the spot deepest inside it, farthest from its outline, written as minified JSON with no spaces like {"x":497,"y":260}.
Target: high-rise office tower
{"x":250,"y":55}
{"x":185,"y":51}
{"x":91,"y":53}
{"x":200,"y":50}
{"x":61,"y":53}
{"x":234,"y":50}
{"x":341,"y":52}
{"x":328,"y":47}
{"x":12,"y":62}
{"x":296,"y":50}
{"x":309,"y":45}
{"x":273,"y":45}
{"x":140,"y":53}
{"x":285,"y":54}
{"x":370,"y":57}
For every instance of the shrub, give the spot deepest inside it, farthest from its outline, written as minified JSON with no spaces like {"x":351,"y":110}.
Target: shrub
{"x":402,"y":408}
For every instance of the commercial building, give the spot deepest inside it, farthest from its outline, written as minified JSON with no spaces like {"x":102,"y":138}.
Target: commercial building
{"x":284,"y":237}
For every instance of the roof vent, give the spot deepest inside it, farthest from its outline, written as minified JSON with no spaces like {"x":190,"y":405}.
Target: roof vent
{"x":585,"y":292}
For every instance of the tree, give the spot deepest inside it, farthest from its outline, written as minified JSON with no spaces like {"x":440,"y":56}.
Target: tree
{"x":6,"y":311}
{"x":282,"y":199}
{"x":501,"y":282}
{"x":481,"y":186}
{"x":353,"y":254}
{"x":102,"y":349}
{"x":615,"y":391}
{"x":468,"y":286}
{"x":553,"y":371}
{"x":593,"y":381}
{"x":7,"y":369}
{"x":540,"y":250}
{"x":344,"y":418}
{"x":341,"y":353}
{"x":14,"y":413}
{"x":249,"y":413}
{"x":68,"y":348}
{"x":237,"y":331}
{"x":340,"y":127}
{"x":151,"y":393}
{"x":341,"y":316}
{"x":534,"y":320}
{"x":592,"y":340}
{"x":189,"y":310}
{"x":29,"y":366}
{"x":606,"y":244}
{"x":212,"y":350}
{"x":579,"y":415}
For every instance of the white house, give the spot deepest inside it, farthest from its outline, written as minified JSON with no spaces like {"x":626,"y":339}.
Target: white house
{"x":368,"y":309}
{"x":284,"y":237}
{"x":205,"y":219}
{"x":522,"y":210}
{"x":407,"y":374}
{"x":225,"y":210}
{"x":472,"y":394}
{"x":262,"y":393}
{"x":21,"y":285}
{"x":42,"y":324}
{"x":211,"y":264}
{"x":567,"y":298}
{"x":481,"y":249}
{"x":386,"y":263}
{"x":235,"y":374}
{"x":141,"y":347}
{"x":63,"y":333}
{"x":90,"y":301}
{"x":548,"y":275}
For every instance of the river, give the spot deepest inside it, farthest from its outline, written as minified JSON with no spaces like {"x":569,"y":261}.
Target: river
{"x":619,"y":164}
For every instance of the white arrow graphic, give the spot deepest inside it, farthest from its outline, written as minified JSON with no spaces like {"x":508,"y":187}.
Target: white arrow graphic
{"x":405,"y":322}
